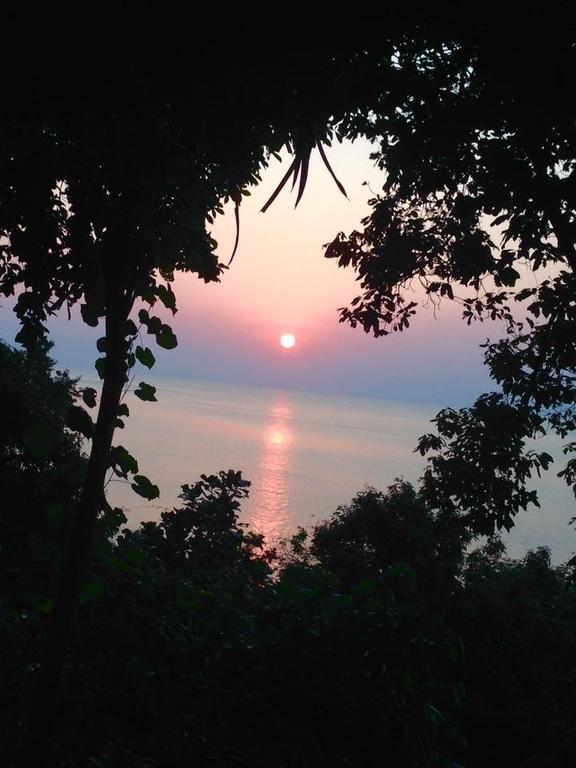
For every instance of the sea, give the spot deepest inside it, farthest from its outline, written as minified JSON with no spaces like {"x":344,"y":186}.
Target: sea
{"x":305,"y":455}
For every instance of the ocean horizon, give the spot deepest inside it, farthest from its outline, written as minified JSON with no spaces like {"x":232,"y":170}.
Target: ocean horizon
{"x":305,"y":455}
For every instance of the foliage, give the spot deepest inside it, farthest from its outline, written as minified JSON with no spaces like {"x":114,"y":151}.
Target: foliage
{"x":517,"y":620}
{"x":188,"y":649}
{"x":477,"y":142}
{"x":41,"y":469}
{"x":204,"y":537}
{"x":109,"y":186}
{"x":480,"y":464}
{"x":370,"y":537}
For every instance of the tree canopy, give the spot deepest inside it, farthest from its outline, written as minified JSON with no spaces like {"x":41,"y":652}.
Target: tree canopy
{"x":479,"y":207}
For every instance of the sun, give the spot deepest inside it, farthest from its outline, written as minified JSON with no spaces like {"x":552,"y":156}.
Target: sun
{"x":287,"y":340}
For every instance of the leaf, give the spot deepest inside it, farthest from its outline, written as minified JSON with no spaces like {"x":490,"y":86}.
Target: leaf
{"x":78,"y":420}
{"x":167,"y":297}
{"x":154,"y":325}
{"x":331,"y":171}
{"x":237,"y":219}
{"x":146,"y":392}
{"x":89,"y":396}
{"x":100,"y":366}
{"x":29,"y":335}
{"x":508,"y":276}
{"x":499,"y":219}
{"x":545,"y":460}
{"x":166,"y":338}
{"x":525,"y":293}
{"x":304,"y":165}
{"x":89,"y":315}
{"x":123,"y":459}
{"x":101,"y":344}
{"x":144,"y":355}
{"x":123,"y":410}
{"x":294,"y":165}
{"x":446,"y":290}
{"x":145,"y":488}
{"x":130,"y":328}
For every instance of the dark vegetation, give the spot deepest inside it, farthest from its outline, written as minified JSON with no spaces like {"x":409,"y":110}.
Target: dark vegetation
{"x":374,"y":639}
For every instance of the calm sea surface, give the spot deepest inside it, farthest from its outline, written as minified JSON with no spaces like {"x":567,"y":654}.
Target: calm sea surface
{"x":305,"y":455}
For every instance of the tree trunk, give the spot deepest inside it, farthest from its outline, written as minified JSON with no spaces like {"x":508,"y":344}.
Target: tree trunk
{"x":36,"y":747}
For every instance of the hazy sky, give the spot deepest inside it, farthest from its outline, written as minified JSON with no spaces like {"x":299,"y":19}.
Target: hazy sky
{"x":280,"y":282}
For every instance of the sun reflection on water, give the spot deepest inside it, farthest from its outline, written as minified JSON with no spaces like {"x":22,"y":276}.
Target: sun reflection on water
{"x":270,"y":513}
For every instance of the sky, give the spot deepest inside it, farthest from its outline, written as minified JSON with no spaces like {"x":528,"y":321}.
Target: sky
{"x":280,"y":282}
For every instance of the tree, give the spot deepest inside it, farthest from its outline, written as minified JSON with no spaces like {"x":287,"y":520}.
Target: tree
{"x":479,"y":207}
{"x":369,"y":537}
{"x":107,"y":188}
{"x":516,"y":618}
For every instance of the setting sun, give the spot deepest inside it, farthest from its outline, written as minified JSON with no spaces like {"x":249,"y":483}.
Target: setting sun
{"x":287,"y":340}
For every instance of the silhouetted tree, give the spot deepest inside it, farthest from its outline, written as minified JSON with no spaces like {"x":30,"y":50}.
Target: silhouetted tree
{"x":108,"y":187}
{"x":376,"y":531}
{"x":479,"y":151}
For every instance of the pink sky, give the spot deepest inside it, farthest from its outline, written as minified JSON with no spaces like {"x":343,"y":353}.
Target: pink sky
{"x":280,"y":282}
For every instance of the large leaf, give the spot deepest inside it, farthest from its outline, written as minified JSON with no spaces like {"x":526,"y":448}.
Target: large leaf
{"x":123,"y":461}
{"x":166,"y":338}
{"x":144,"y":355}
{"x":145,"y":488}
{"x":79,"y":420}
{"x":146,"y":392}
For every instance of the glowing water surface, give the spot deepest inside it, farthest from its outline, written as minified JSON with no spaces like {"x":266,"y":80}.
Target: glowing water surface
{"x":304,"y":454}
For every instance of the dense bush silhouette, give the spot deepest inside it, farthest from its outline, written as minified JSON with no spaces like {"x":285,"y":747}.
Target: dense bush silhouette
{"x":41,"y":468}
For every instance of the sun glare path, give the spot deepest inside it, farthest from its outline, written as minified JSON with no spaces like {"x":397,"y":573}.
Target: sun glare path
{"x":271,"y":514}
{"x":287,"y":340}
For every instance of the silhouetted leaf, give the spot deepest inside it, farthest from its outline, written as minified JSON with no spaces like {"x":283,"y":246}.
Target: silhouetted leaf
{"x":145,"y":488}
{"x":89,"y":315}
{"x":89,"y":396}
{"x":146,"y":392}
{"x":100,"y":366}
{"x":130,"y":328}
{"x":79,"y":420}
{"x":166,"y":338}
{"x":167,"y":297}
{"x":145,"y":356}
{"x":123,"y":460}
